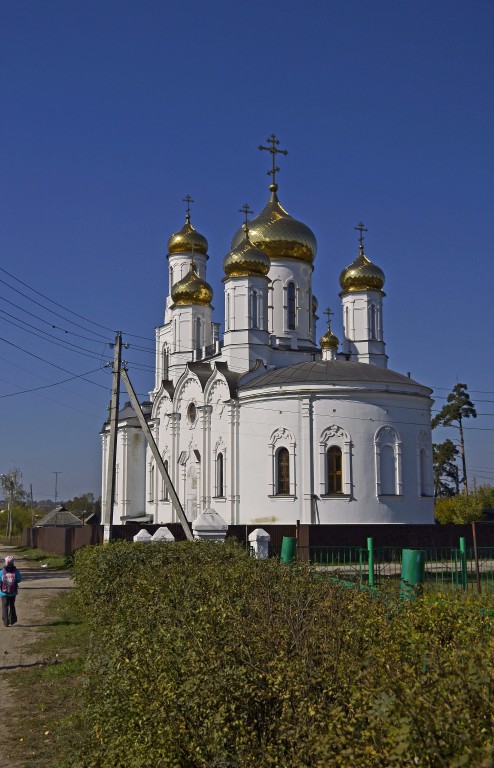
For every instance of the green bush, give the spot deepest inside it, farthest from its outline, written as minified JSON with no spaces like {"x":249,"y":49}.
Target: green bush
{"x":203,"y":657}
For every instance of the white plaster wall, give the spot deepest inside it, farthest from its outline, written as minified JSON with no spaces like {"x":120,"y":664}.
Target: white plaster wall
{"x":361,"y":418}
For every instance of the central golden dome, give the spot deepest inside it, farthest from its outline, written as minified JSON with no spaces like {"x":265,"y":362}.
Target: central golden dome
{"x":278,"y":234}
{"x":192,"y":290}
{"x":362,"y":275}
{"x":187,"y":240}
{"x":245,"y":259}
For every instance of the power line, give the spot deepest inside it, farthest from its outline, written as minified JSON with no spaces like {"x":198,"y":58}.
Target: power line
{"x":47,"y":386}
{"x":31,"y":354}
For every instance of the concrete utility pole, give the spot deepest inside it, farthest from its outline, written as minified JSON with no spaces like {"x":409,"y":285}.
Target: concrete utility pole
{"x":56,"y":485}
{"x":112,"y":449}
{"x":155,"y":451}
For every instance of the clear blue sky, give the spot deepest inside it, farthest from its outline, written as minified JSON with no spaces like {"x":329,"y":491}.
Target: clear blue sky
{"x":112,"y":111}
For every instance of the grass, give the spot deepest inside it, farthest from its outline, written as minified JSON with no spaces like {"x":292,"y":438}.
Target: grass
{"x":45,"y":731}
{"x":52,"y":561}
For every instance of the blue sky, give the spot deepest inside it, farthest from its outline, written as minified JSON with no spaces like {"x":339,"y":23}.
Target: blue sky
{"x":112,"y":111}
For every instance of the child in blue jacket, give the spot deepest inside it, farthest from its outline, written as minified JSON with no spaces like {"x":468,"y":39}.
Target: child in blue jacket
{"x":9,"y":579}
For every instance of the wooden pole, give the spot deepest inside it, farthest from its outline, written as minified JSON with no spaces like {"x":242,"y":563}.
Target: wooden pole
{"x":157,"y":457}
{"x":112,"y":449}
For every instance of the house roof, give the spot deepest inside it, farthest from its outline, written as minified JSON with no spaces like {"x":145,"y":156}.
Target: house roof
{"x":60,"y":517}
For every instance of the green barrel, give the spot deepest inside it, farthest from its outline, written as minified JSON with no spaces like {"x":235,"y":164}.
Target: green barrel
{"x":412,"y":572}
{"x":288,"y":549}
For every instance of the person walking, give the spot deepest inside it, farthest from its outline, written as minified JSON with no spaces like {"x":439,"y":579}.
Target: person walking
{"x":9,"y":579}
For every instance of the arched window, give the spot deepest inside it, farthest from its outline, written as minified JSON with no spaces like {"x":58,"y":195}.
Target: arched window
{"x":164,"y":489}
{"x":255,"y":309}
{"x":116,"y":485}
{"x":388,"y":471}
{"x":291,"y":314}
{"x":372,"y":321}
{"x":388,"y":462}
{"x":424,"y":489}
{"x":151,"y":482}
{"x":164,"y":362}
{"x":282,"y":472}
{"x":220,"y":490}
{"x":198,"y":332}
{"x":334,"y":470}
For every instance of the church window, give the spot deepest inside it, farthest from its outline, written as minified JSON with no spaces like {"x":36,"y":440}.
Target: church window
{"x":115,"y":499}
{"x":198,"y":332}
{"x":291,"y":313}
{"x":220,"y":488}
{"x":165,"y":362}
{"x":388,"y":484}
{"x":282,"y":472}
{"x":388,"y":462}
{"x":423,"y":473}
{"x":334,"y":470}
{"x":164,"y":489}
{"x":192,"y":413}
{"x":227,"y":313}
{"x":255,"y":309}
{"x":372,"y":321}
{"x":151,"y":482}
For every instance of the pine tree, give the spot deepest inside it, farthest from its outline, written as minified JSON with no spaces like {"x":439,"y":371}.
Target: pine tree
{"x":458,"y":407}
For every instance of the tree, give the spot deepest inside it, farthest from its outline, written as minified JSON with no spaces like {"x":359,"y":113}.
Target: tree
{"x":458,"y":509}
{"x":15,"y":494}
{"x":84,"y":505}
{"x":458,"y":407}
{"x":446,"y":474}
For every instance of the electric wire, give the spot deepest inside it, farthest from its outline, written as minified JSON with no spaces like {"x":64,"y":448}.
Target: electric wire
{"x":47,"y":386}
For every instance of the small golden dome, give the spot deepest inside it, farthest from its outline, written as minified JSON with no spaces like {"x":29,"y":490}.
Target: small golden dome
{"x":278,"y":234}
{"x":187,"y":240}
{"x":362,"y":275}
{"x":245,"y":259}
{"x":329,"y":340}
{"x":192,"y":290}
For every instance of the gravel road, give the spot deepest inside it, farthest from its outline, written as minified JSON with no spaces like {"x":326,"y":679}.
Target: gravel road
{"x":37,"y":588}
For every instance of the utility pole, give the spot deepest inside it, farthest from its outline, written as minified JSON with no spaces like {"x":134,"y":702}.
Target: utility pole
{"x":112,"y":447}
{"x":56,"y":485}
{"x":31,"y":497}
{"x":157,"y":457}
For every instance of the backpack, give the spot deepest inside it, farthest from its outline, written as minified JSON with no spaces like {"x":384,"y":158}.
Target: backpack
{"x":9,"y":584}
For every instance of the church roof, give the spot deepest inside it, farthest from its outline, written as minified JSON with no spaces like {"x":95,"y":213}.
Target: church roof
{"x":331,"y":373}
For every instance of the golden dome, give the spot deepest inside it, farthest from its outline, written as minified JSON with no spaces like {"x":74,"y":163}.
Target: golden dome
{"x":245,"y":259}
{"x":278,"y":234}
{"x":187,"y":240}
{"x":192,"y":290}
{"x":362,"y":275}
{"x":329,"y":340}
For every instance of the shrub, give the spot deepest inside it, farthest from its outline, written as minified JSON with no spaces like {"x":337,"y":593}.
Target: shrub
{"x":203,"y":657}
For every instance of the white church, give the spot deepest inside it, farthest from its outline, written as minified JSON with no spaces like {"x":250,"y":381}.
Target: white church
{"x":268,"y":424}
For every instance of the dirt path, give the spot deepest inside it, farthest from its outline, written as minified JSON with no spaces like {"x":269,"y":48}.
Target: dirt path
{"x":37,"y":588}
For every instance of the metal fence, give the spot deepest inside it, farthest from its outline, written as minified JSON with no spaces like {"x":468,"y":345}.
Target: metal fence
{"x":445,"y":567}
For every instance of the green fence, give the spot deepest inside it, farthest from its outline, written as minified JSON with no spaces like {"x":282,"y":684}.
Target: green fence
{"x":445,"y":567}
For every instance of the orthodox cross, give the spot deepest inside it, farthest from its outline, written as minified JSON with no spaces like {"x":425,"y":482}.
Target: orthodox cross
{"x":187,"y":199}
{"x":361,"y":228}
{"x":245,"y":210}
{"x":328,"y":312}
{"x":274,"y":151}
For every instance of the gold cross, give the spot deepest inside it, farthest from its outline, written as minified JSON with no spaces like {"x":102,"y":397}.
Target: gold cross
{"x":361,"y":228}
{"x":187,"y":199}
{"x":328,"y":312}
{"x":245,"y":210}
{"x":274,"y":151}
